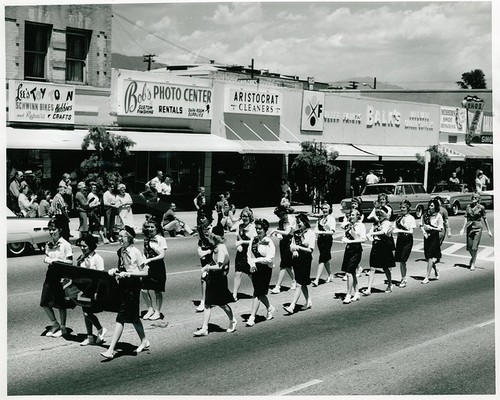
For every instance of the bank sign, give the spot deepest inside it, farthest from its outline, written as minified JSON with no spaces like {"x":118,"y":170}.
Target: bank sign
{"x":163,"y":100}
{"x":244,"y":101}
{"x":39,"y":102}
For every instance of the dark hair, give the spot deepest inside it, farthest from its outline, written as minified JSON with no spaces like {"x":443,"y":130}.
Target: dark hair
{"x":55,"y":223}
{"x":406,"y":203}
{"x":303,"y":218}
{"x":436,"y":205}
{"x":262,"y":222}
{"x":130,"y":231}
{"x":384,"y":195}
{"x":89,"y":240}
{"x":357,"y":212}
{"x":357,"y":200}
{"x":218,"y":230}
{"x":281,"y":210}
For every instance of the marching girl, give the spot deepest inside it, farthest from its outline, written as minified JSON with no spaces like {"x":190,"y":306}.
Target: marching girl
{"x":383,"y":203}
{"x":302,"y":247}
{"x":52,"y":291}
{"x":217,"y":292}
{"x":91,"y":260}
{"x":205,"y":249}
{"x":286,"y":226}
{"x":356,"y":203}
{"x":246,"y":232}
{"x":355,"y":235}
{"x":381,"y":255}
{"x":431,"y":224}
{"x":474,"y":214}
{"x":325,"y":228}
{"x":260,"y":257}
{"x":155,"y":247}
{"x":131,"y":267}
{"x":404,"y":226}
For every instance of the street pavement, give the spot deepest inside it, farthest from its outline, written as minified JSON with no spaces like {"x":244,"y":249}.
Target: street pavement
{"x":435,"y":339}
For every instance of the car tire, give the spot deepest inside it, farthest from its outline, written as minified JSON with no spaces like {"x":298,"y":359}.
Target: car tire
{"x":16,"y":249}
{"x":455,"y":208}
{"x":419,"y":211}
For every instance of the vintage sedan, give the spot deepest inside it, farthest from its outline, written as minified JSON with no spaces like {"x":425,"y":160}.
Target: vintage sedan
{"x":455,"y":197}
{"x":24,"y":234}
{"x":414,"y":192}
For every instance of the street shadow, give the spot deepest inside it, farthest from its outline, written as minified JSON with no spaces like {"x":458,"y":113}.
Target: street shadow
{"x":420,"y":259}
{"x":258,"y":318}
{"x":241,"y":296}
{"x":143,"y":313}
{"x":320,"y":282}
{"x":465,"y":266}
{"x":122,"y":349}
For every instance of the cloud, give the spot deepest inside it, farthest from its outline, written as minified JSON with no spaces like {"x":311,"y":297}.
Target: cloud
{"x":288,"y":16}
{"x":236,"y":13}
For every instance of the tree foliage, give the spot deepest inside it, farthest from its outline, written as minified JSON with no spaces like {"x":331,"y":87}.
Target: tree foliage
{"x":437,"y":166}
{"x":472,"y":80}
{"x":314,"y":167}
{"x":110,"y":149}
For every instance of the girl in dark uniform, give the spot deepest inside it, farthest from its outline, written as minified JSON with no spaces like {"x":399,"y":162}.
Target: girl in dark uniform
{"x":205,"y":249}
{"x":325,"y":228}
{"x":261,"y":259}
{"x":355,"y":234}
{"x":382,"y":253}
{"x":155,"y":247}
{"x":246,"y":232}
{"x":431,"y":224}
{"x":286,"y":226}
{"x":302,"y":247}
{"x":217,"y":292}
{"x":403,"y":226}
{"x":474,"y":213}
{"x":131,"y":267}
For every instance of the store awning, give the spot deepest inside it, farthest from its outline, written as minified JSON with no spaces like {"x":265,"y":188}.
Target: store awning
{"x":145,"y":141}
{"x":348,"y":152}
{"x":462,"y":151}
{"x":394,"y":153}
{"x":269,"y":147}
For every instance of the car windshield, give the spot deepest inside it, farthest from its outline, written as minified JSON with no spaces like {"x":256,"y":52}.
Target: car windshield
{"x":447,"y":188}
{"x":376,"y":189}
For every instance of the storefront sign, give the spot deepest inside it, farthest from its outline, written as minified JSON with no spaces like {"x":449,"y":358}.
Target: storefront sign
{"x":163,"y":100}
{"x":38,"y":102}
{"x":244,"y":101}
{"x":452,"y":120}
{"x":313,"y":104}
{"x":486,"y":138}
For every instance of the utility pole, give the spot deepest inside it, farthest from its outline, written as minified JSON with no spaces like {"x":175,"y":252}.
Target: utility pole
{"x":149,"y":59}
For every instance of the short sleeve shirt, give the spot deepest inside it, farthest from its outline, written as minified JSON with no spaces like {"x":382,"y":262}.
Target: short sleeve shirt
{"x":59,"y":251}
{"x":131,"y":259}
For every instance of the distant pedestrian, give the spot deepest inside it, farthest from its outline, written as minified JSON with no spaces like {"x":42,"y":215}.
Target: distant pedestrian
{"x":61,"y":213}
{"x":173,"y":225}
{"x":94,"y":213}
{"x":261,"y":260}
{"x":325,"y":228}
{"x":15,"y":190}
{"x":82,"y":206}
{"x":431,"y":224}
{"x":371,"y":178}
{"x":246,"y":232}
{"x":68,"y":190}
{"x":91,"y":260}
{"x":217,"y":292}
{"x":382,"y":252}
{"x":302,"y":247}
{"x":453,"y":179}
{"x":45,"y":205}
{"x":124,"y":205}
{"x":200,"y":203}
{"x":155,"y":247}
{"x":403,"y":226}
{"x":284,"y":232}
{"x":58,"y":249}
{"x":155,"y":182}
{"x":27,"y":202}
{"x":131,"y":267}
{"x":355,"y":235}
{"x":165,"y":189}
{"x":474,"y":214}
{"x":481,"y":181}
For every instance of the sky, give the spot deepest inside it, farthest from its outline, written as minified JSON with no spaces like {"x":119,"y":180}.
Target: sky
{"x":415,"y":45}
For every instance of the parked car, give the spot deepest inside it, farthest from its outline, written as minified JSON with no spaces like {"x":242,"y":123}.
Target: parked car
{"x":414,"y":192}
{"x":456,"y":197}
{"x":24,"y":234}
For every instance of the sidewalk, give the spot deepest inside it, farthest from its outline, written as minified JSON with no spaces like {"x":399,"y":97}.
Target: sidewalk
{"x":189,"y":217}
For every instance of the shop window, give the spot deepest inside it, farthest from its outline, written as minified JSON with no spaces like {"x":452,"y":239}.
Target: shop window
{"x":36,"y":44}
{"x":452,"y":139}
{"x":77,"y":46}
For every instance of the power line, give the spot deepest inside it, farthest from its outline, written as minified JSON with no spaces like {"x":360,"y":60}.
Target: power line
{"x":162,"y":39}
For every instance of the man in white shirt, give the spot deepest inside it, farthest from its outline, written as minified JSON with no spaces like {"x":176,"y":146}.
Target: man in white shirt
{"x":371,"y":178}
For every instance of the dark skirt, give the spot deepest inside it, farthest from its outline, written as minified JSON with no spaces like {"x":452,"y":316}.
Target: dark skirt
{"x":432,"y":249}
{"x":325,"y":248}
{"x":473,"y":238}
{"x":261,"y":279}
{"x":217,"y":292}
{"x":130,"y":290}
{"x":241,"y":262}
{"x":352,"y":257}
{"x":404,"y":244}
{"x":302,"y":268}
{"x":53,"y":294}
{"x":381,"y":255}
{"x":157,"y":277}
{"x":285,"y":254}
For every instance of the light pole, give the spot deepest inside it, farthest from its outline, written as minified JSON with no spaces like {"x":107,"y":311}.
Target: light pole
{"x":374,"y":87}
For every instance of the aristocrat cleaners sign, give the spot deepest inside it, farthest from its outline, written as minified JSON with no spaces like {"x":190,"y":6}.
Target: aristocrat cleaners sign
{"x":163,"y":100}
{"x":39,"y":102}
{"x":252,"y":102}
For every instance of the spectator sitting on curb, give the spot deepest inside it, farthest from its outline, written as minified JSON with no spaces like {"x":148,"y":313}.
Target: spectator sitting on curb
{"x":174,"y":226}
